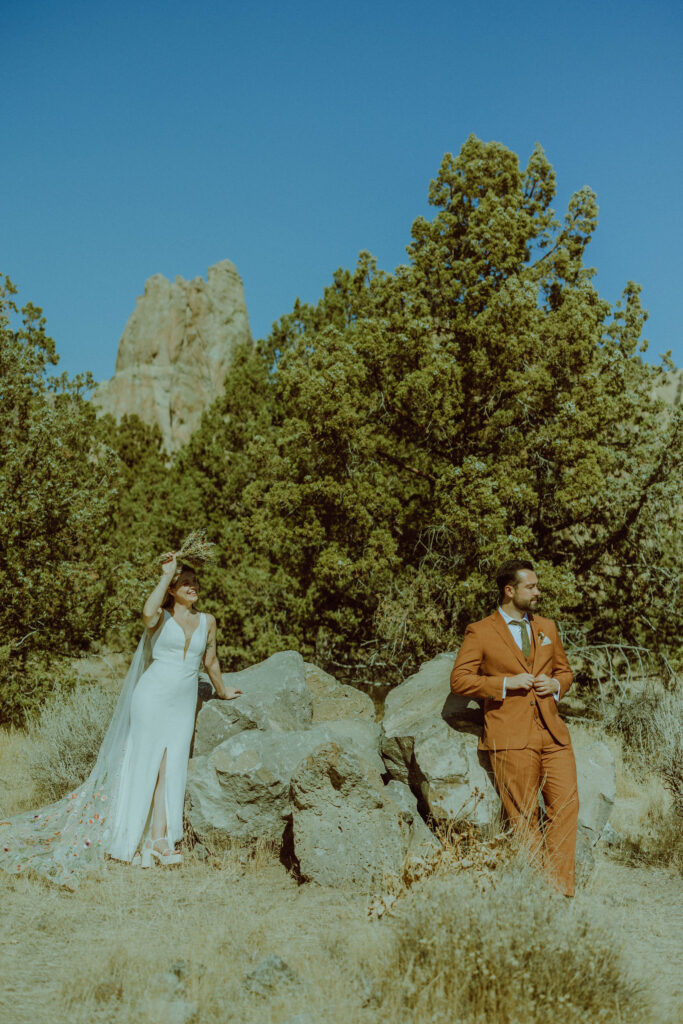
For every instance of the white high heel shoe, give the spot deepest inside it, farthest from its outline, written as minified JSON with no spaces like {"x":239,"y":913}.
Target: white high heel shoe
{"x":167,"y":856}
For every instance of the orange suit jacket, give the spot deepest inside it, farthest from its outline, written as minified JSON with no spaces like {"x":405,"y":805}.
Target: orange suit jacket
{"x":489,"y":654}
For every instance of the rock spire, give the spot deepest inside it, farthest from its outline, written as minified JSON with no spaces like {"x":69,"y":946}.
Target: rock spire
{"x":176,"y":350}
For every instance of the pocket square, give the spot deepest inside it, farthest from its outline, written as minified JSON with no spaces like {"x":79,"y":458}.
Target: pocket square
{"x":545,"y":640}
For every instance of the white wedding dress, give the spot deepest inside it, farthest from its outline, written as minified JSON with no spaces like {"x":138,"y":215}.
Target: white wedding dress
{"x":110,"y":812}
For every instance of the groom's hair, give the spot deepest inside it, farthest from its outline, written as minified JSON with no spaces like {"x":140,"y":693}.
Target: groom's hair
{"x":507,"y":573}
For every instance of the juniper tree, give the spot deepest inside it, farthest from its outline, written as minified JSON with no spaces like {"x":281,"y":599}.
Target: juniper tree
{"x":412,"y":430}
{"x":55,"y":497}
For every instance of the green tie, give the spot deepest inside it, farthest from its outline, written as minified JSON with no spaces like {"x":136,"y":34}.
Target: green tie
{"x":526,"y":643}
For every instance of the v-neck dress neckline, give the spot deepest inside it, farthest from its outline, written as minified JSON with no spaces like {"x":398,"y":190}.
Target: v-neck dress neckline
{"x":188,"y":639}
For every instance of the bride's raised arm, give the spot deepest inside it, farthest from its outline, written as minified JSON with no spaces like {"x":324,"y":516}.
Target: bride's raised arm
{"x":152,"y":606}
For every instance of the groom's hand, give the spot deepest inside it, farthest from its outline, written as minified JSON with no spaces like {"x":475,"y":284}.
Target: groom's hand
{"x":524,"y":681}
{"x":545,"y":686}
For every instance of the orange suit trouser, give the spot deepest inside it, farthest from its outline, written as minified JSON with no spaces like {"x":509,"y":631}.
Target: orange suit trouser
{"x":547,"y":767}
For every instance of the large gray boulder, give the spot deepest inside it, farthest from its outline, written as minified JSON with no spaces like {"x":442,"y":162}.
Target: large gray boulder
{"x":451,"y":776}
{"x":423,"y":843}
{"x":319,"y":682}
{"x":347,"y":830}
{"x":422,"y":699}
{"x":429,"y":742}
{"x":597,"y":784}
{"x":274,"y":697}
{"x":242,"y":788}
{"x":332,"y":699}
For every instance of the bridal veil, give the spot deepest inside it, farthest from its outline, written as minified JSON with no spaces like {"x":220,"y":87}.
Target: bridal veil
{"x":69,"y":839}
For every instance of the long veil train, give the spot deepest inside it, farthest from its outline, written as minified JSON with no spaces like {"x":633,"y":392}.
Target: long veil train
{"x":67,"y":840}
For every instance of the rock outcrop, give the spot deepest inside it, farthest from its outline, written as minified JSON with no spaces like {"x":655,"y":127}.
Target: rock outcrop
{"x":246,"y":750}
{"x":176,"y":350}
{"x":242,"y":788}
{"x":300,"y":761}
{"x":347,"y":830}
{"x":274,"y":696}
{"x":429,"y":742}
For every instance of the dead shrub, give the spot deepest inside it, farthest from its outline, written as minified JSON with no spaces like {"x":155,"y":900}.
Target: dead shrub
{"x":521,"y":955}
{"x":64,"y":740}
{"x":651,"y":725}
{"x":609,"y":672}
{"x":658,"y":843}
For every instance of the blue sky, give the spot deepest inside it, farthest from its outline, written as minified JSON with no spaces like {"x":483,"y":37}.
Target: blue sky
{"x":161,"y":137}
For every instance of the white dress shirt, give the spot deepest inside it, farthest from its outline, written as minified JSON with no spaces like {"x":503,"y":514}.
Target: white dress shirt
{"x":516,"y":633}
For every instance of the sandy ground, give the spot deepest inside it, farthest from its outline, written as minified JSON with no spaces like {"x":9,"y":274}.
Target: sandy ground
{"x":100,"y":955}
{"x":645,"y":907}
{"x":97,"y":955}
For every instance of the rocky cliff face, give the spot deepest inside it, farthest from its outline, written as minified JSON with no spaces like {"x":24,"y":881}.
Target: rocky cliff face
{"x":176,"y":350}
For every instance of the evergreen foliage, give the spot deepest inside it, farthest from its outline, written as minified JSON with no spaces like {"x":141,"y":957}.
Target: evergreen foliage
{"x":56,"y":499}
{"x":380,"y":453}
{"x":372,"y":461}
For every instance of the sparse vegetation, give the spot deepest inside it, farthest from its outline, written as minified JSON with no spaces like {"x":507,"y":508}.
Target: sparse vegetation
{"x":519,"y":954}
{"x":658,"y":842}
{"x":651,"y":724}
{"x":473,"y":900}
{"x":64,"y":740}
{"x":446,"y":953}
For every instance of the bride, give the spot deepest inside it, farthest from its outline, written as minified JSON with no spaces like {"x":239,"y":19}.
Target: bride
{"x":131,"y":805}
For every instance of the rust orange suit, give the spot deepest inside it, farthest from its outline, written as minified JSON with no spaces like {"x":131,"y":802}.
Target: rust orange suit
{"x":527,"y":741}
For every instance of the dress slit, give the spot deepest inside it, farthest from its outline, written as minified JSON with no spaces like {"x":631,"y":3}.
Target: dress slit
{"x":165,"y":836}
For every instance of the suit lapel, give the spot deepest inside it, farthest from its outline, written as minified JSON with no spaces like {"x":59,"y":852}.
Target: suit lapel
{"x":501,"y":628}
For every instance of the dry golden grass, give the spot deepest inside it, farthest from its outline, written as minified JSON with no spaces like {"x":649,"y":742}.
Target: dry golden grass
{"x":464,"y":849}
{"x":651,"y":725}
{"x":519,"y":955}
{"x":658,"y":841}
{"x":504,"y":955}
{"x":644,"y":812}
{"x":58,"y":749}
{"x":16,"y":784}
{"x":451,"y":942}
{"x":99,"y":954}
{"x":64,"y":741}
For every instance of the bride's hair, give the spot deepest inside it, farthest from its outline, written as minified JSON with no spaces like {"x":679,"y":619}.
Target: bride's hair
{"x":182,"y":570}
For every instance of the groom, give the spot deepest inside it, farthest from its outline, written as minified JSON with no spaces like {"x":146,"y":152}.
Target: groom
{"x":514,"y":660}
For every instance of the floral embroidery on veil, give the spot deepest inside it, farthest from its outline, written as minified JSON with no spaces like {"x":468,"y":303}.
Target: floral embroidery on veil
{"x":68,"y":840}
